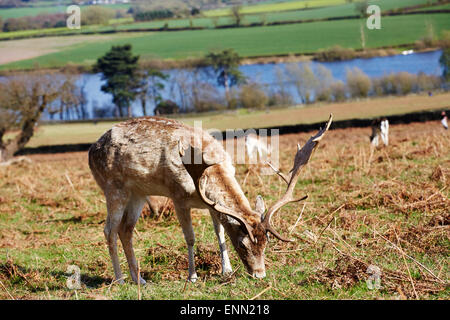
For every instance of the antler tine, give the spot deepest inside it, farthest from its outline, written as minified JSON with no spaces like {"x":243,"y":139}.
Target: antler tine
{"x":301,"y":159}
{"x":279,"y":173}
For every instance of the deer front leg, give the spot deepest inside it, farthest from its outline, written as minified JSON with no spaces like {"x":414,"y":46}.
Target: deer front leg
{"x":184,"y":216}
{"x":115,"y":203}
{"x":129,"y":220}
{"x":220,"y":233}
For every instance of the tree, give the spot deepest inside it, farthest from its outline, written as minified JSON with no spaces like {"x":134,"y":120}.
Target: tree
{"x":119,"y":68}
{"x":22,"y":102}
{"x":361,"y":8}
{"x":304,"y":80}
{"x":236,"y":14}
{"x":151,"y":85}
{"x":444,"y":60}
{"x":358,"y":83}
{"x":226,"y":66}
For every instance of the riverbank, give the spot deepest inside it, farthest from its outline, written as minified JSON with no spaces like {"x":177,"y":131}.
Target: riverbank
{"x":75,"y":133}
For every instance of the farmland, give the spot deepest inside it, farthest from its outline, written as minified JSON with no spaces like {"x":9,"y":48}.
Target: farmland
{"x":207,"y":21}
{"x":249,"y":42}
{"x":388,"y":208}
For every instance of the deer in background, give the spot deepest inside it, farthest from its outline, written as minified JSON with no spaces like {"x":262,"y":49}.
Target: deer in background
{"x":380,"y":128}
{"x":253,"y":144}
{"x":156,"y":156}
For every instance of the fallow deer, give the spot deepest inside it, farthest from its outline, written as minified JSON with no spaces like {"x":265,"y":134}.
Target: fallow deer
{"x":157,"y":156}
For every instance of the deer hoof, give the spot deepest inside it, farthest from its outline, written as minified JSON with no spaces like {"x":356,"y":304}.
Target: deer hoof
{"x":193,"y":278}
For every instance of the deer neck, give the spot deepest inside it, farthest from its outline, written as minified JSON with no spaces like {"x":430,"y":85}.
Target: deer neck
{"x":221,"y":187}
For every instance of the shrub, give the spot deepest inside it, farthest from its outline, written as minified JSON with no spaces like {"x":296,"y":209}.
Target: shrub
{"x":324,"y":94}
{"x":153,"y":15}
{"x":96,"y":15}
{"x":252,"y":96}
{"x":38,"y":22}
{"x":338,"y":91}
{"x":206,"y":97}
{"x":359,"y":84}
{"x":166,"y":107}
{"x":427,"y":82}
{"x":280,"y":98}
{"x":336,"y":53}
{"x":384,"y":85}
{"x":404,"y":83}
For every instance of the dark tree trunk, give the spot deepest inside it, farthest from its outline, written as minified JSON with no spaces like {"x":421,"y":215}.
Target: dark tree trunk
{"x":144,"y":106}
{"x":7,"y":150}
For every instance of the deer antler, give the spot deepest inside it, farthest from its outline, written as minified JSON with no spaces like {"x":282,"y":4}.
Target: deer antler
{"x":301,"y":158}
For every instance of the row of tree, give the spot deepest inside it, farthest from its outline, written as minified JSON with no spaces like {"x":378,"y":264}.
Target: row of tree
{"x":196,"y":90}
{"x":126,"y":82}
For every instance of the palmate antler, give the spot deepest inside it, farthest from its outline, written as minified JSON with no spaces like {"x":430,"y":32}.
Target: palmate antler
{"x":301,"y":158}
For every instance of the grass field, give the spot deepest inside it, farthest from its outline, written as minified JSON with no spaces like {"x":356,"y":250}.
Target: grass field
{"x":388,"y":208}
{"x":244,"y":119}
{"x":279,"y":6}
{"x":211,"y":22}
{"x":248,"y":42}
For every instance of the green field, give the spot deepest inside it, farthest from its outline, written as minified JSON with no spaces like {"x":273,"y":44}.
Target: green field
{"x":271,"y":7}
{"x":211,"y":22}
{"x":249,"y":42}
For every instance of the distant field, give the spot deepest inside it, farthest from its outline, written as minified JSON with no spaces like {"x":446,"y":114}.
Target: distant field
{"x":248,"y":42}
{"x":296,"y":5}
{"x":442,"y":7}
{"x":88,"y":132}
{"x":342,"y":10}
{"x":271,"y":7}
{"x":36,"y":10}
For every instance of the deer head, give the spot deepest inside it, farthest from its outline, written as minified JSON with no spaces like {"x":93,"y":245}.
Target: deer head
{"x":249,"y":232}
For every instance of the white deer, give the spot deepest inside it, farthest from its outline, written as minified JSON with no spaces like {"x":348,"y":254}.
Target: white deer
{"x":156,"y":156}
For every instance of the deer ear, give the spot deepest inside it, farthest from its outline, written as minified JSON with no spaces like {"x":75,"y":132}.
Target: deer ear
{"x":260,"y":206}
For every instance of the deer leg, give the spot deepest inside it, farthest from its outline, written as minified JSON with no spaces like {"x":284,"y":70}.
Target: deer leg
{"x":184,"y":216}
{"x":115,"y":203}
{"x":220,"y":233}
{"x":129,"y":220}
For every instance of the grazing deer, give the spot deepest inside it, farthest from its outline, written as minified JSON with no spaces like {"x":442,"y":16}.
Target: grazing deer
{"x":156,"y":156}
{"x":380,"y":128}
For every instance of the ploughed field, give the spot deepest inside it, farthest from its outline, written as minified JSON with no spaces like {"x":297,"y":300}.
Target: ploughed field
{"x":383,"y":215}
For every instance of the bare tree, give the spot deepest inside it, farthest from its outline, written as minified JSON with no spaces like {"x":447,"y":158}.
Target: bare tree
{"x":304,"y":80}
{"x":23,"y":99}
{"x":236,"y":14}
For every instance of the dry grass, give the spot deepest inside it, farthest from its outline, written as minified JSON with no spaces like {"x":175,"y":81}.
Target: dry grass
{"x":389,"y":209}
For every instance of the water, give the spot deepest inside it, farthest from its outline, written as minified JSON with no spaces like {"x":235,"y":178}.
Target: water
{"x":265,"y":74}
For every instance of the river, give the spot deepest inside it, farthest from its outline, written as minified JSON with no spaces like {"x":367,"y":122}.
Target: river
{"x":265,"y":74}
